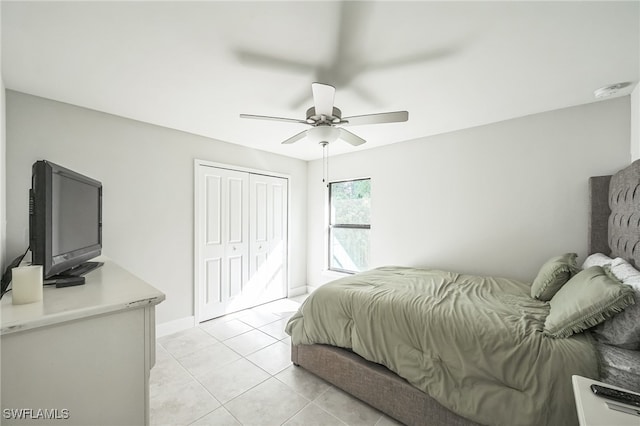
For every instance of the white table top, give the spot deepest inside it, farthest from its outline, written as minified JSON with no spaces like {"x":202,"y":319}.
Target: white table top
{"x":107,"y":289}
{"x":593,"y":410}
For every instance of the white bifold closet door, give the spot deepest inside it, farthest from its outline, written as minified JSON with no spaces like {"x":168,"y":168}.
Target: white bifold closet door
{"x":241,"y":240}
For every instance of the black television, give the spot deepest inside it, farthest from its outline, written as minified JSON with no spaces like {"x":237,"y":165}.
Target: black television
{"x":65,"y":220}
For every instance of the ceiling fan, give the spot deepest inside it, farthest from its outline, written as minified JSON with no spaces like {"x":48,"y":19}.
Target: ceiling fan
{"x":349,"y":58}
{"x":326,"y":120}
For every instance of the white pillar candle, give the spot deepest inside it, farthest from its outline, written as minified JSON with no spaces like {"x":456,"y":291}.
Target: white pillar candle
{"x":26,"y":284}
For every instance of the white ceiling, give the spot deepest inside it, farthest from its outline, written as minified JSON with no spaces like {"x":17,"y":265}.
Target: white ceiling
{"x":195,"y":66}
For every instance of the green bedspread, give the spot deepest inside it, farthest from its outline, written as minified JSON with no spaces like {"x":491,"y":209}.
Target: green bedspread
{"x":473,"y":343}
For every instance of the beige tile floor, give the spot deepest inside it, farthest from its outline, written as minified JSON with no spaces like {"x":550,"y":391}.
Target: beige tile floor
{"x":236,"y":370}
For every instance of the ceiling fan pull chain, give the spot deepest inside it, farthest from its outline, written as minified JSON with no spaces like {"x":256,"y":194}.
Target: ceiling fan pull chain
{"x":327,"y":148}
{"x":325,"y":162}
{"x":324,"y":159}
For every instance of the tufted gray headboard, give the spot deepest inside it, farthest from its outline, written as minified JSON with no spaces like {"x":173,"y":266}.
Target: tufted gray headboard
{"x":614,"y":222}
{"x":614,"y":229}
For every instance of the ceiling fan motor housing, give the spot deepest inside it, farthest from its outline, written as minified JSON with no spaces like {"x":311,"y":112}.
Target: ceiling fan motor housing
{"x":315,"y":119}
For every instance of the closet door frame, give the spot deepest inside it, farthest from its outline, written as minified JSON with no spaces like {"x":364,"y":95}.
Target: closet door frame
{"x":198,"y":218}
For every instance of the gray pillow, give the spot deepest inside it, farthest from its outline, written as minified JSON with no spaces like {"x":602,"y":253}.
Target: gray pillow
{"x":552,"y":275}
{"x":623,"y":330}
{"x":585,"y":301}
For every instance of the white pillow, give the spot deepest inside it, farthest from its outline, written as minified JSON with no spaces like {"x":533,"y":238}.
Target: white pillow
{"x":623,"y":330}
{"x":625,"y":272}
{"x":597,"y":259}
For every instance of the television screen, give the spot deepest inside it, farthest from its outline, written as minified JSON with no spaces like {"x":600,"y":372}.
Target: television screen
{"x":65,"y":224}
{"x":75,"y":210}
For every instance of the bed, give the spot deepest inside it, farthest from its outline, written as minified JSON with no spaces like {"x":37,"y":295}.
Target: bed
{"x":439,"y":348}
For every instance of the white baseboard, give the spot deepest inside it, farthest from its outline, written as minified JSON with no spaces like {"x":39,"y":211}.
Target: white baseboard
{"x":174,"y":326}
{"x":186,"y":323}
{"x":298,"y":291}
{"x":311,"y":289}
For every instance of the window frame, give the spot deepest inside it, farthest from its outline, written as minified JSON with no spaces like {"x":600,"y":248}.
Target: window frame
{"x":332,"y":226}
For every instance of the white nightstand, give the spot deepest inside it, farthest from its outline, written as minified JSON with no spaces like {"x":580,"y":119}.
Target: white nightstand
{"x":593,"y":410}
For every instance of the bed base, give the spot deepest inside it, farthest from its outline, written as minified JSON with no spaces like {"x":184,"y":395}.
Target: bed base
{"x":375,"y":385}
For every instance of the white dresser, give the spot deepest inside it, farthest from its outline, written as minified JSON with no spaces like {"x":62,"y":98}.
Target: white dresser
{"x":82,"y":355}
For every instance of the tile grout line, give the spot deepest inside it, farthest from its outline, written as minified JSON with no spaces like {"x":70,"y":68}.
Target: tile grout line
{"x":311,"y":401}
{"x":278,"y":317}
{"x":223,"y":404}
{"x":195,"y":379}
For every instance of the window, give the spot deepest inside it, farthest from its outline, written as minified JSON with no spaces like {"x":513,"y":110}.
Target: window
{"x":349,"y":225}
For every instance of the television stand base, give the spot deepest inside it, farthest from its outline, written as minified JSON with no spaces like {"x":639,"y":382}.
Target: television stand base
{"x":67,"y":281}
{"x":80,"y":270}
{"x":73,"y":276}
{"x":64,"y":281}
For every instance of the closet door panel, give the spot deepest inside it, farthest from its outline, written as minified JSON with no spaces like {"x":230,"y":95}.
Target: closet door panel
{"x":236,"y":205}
{"x":213,"y":217}
{"x":213,"y":283}
{"x":222,"y":239}
{"x":279,"y":214}
{"x":268,"y":236}
{"x":236,"y":275}
{"x":260,"y":209}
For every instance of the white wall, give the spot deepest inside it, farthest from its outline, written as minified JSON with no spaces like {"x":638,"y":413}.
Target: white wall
{"x":635,"y":123}
{"x":3,"y":180}
{"x":635,"y":120}
{"x":147,"y":176}
{"x":3,"y":167}
{"x":498,"y":199}
{"x":3,"y":177}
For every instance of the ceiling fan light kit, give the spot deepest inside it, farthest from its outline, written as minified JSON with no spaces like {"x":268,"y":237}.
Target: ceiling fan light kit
{"x":323,"y":134}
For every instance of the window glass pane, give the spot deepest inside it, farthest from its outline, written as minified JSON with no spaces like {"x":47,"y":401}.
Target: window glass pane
{"x":349,"y":249}
{"x":351,"y":202}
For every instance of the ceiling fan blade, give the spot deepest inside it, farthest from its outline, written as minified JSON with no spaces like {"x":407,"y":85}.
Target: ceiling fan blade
{"x":351,"y":138}
{"x":352,"y":29}
{"x":323,"y":95}
{"x":303,"y":99}
{"x":266,"y":117}
{"x":418,"y":58}
{"x":384,"y":117}
{"x":365,"y":94}
{"x":264,"y":60}
{"x":347,"y":61}
{"x":296,"y":137}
